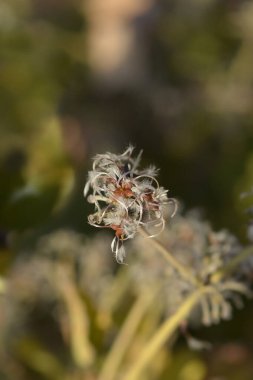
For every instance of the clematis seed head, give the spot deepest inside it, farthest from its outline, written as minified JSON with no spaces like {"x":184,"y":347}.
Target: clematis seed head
{"x":125,"y":197}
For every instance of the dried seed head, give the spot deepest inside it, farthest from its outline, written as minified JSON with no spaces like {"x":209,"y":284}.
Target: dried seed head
{"x":125,"y":197}
{"x":193,"y":242}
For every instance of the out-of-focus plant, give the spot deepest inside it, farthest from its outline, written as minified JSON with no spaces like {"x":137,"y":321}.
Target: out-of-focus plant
{"x":75,"y":292}
{"x":42,"y":55}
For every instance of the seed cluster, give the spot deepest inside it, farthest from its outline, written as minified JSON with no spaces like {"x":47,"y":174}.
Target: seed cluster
{"x":125,"y":198}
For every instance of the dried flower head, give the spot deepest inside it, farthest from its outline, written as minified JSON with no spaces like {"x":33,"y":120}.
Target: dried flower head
{"x":125,"y":197}
{"x":193,"y":242}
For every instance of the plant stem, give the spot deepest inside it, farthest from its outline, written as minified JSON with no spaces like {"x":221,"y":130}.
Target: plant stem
{"x":165,"y":331}
{"x":231,"y":266}
{"x":179,"y":267}
{"x":2,"y":285}
{"x":124,"y":338}
{"x":81,"y":347}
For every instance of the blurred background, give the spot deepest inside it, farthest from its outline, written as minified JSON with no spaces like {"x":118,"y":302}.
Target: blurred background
{"x":80,"y":77}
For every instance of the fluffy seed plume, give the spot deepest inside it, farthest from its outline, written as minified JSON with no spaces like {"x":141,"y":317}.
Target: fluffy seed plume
{"x":125,"y":198}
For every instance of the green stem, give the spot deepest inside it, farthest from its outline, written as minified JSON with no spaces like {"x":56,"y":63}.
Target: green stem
{"x":179,"y":267}
{"x":124,"y":338}
{"x":165,"y":331}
